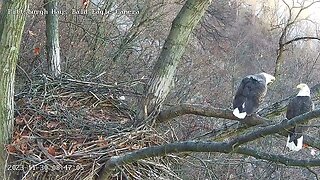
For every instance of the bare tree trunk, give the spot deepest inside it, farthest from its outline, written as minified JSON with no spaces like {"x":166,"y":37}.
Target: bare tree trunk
{"x":11,"y":28}
{"x":52,"y":34}
{"x":162,"y":78}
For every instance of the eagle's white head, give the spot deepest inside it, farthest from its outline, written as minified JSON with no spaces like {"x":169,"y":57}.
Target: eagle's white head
{"x":269,"y":77}
{"x":304,"y":90}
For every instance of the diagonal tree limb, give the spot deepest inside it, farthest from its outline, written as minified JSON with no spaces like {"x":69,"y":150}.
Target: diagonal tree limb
{"x":272,"y":129}
{"x":208,"y":111}
{"x":232,"y":146}
{"x":200,"y":146}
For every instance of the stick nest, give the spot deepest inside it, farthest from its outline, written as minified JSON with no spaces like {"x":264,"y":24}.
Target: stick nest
{"x":67,"y":129}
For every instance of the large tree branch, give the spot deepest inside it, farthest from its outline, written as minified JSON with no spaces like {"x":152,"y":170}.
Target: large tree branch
{"x":198,"y":146}
{"x":187,"y":146}
{"x":272,"y":129}
{"x":273,"y":110}
{"x":208,"y":111}
{"x":223,"y":147}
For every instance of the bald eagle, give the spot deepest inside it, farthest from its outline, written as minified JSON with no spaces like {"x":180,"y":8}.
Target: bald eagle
{"x":300,"y":104}
{"x":250,"y":94}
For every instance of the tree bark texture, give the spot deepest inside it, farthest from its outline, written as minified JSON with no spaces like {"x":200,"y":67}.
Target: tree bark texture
{"x":162,"y":78}
{"x":11,"y":28}
{"x":52,"y":34}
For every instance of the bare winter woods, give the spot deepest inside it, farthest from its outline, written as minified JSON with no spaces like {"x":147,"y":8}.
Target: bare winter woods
{"x":144,"y":89}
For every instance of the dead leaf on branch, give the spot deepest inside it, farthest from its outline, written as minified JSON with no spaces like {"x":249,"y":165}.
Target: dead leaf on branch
{"x":11,"y":149}
{"x":51,"y":150}
{"x":102,"y":142}
{"x":20,"y":120}
{"x":52,"y":124}
{"x":36,"y":51}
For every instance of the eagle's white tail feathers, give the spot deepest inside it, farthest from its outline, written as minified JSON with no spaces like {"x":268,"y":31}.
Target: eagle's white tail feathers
{"x":239,"y":115}
{"x":292,"y":146}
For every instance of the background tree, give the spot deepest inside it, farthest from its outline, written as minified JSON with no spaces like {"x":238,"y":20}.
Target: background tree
{"x":52,"y":34}
{"x":295,"y":11}
{"x":13,"y":16}
{"x":164,"y":70}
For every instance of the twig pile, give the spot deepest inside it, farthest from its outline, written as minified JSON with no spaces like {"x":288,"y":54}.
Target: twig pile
{"x":67,"y":129}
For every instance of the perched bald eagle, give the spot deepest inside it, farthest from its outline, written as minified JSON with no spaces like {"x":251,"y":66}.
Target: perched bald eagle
{"x":250,"y":94}
{"x":300,"y":104}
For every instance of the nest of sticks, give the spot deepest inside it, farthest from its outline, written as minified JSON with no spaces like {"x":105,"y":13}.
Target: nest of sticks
{"x":67,"y":129}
